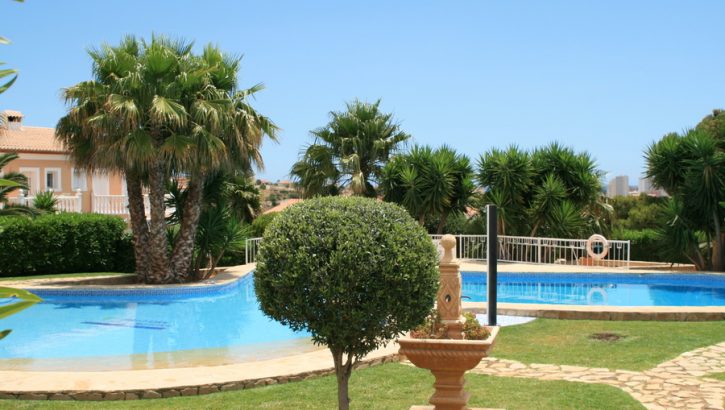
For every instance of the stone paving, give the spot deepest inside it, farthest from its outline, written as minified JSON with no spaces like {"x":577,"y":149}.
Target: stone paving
{"x":681,"y":383}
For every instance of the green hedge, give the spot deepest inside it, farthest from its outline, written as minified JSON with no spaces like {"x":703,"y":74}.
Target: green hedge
{"x":64,"y":243}
{"x":645,"y":246}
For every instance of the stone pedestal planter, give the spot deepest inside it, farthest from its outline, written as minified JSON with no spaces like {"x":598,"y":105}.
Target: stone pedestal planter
{"x":448,"y":360}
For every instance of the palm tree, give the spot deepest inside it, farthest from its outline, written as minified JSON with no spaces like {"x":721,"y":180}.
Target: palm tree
{"x":691,"y":168}
{"x":7,"y":72}
{"x":154,"y":111}
{"x":429,"y":183}
{"x":243,"y":197}
{"x":10,"y":182}
{"x":349,"y":152}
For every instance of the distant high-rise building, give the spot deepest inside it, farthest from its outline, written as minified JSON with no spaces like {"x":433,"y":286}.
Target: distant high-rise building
{"x":619,"y":186}
{"x":646,"y":187}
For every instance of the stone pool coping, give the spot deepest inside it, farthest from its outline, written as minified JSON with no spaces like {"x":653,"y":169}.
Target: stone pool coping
{"x":229,"y":275}
{"x":577,"y":312}
{"x":173,"y":382}
{"x":475,"y":266}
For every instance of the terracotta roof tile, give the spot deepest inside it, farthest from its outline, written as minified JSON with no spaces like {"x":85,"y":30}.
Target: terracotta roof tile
{"x":30,"y":139}
{"x":282,"y":205}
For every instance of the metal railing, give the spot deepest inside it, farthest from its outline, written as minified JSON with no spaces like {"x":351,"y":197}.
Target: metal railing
{"x":524,"y":249}
{"x":520,"y":249}
{"x":250,"y":250}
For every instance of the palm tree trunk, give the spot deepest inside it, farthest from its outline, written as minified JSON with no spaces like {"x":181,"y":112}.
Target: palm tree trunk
{"x":184,"y":246}
{"x":697,"y":259}
{"x":717,"y":252}
{"x":159,"y":271}
{"x":140,"y":229}
{"x":442,"y":223}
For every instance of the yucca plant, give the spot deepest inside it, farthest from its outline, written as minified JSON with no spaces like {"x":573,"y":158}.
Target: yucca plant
{"x":551,"y":191}
{"x":691,"y":168}
{"x":46,"y":202}
{"x":429,"y":183}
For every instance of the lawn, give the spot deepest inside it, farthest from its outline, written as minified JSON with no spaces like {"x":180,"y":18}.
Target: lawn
{"x":719,"y":376}
{"x":391,"y":386}
{"x":644,"y":345}
{"x":63,"y":275}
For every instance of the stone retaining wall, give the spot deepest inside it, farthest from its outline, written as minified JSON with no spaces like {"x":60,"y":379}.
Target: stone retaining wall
{"x":136,"y":394}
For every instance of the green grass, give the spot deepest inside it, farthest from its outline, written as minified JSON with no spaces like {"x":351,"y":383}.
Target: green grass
{"x":567,"y":342}
{"x":719,"y":376}
{"x":391,"y":386}
{"x":63,"y":275}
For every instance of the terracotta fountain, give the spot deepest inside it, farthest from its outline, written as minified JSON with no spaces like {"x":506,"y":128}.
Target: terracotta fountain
{"x":448,"y":359}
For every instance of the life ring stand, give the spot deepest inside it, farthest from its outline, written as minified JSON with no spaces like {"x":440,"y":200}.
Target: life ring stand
{"x":605,"y":247}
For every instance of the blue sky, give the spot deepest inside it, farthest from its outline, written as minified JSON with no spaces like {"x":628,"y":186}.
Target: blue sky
{"x":608,"y":77}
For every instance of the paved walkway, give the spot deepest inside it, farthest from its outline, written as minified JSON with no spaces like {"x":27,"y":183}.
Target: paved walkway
{"x":681,"y":383}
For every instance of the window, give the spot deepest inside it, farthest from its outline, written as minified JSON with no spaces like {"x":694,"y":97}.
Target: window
{"x":52,"y":179}
{"x":33,"y":175}
{"x":78,"y":180}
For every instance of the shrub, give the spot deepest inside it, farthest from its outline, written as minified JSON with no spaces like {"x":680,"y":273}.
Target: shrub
{"x":353,"y":272}
{"x":64,"y":243}
{"x":646,"y":245}
{"x":259,"y":224}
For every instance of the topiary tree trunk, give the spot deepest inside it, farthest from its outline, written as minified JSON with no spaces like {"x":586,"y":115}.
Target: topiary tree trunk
{"x":343,"y":371}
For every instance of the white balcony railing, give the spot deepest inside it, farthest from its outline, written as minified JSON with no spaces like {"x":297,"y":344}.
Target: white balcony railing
{"x":64,"y":203}
{"x":100,"y":204}
{"x":115,"y":204}
{"x":110,"y":204}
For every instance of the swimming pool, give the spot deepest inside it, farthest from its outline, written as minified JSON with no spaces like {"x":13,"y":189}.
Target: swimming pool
{"x":222,"y":324}
{"x":607,"y":289}
{"x":116,"y":329}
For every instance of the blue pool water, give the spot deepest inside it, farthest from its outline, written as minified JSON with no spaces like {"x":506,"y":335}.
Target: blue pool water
{"x":188,"y":326}
{"x":142,"y":330}
{"x":601,"y":289}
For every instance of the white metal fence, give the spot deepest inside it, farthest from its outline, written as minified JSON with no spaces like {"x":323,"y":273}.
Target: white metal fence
{"x":521,"y":249}
{"x":524,"y":249}
{"x":251,"y":248}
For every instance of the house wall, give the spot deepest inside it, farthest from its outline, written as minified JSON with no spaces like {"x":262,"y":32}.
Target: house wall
{"x":62,"y":164}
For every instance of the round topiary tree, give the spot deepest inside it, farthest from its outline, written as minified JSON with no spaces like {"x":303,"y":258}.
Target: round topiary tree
{"x":354,"y":272}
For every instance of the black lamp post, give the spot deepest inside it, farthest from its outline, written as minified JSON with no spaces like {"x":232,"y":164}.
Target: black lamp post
{"x":492,"y":262}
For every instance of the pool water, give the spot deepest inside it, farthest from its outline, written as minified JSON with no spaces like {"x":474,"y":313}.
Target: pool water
{"x":600,"y":289}
{"x":148,"y":330}
{"x":221,"y":324}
